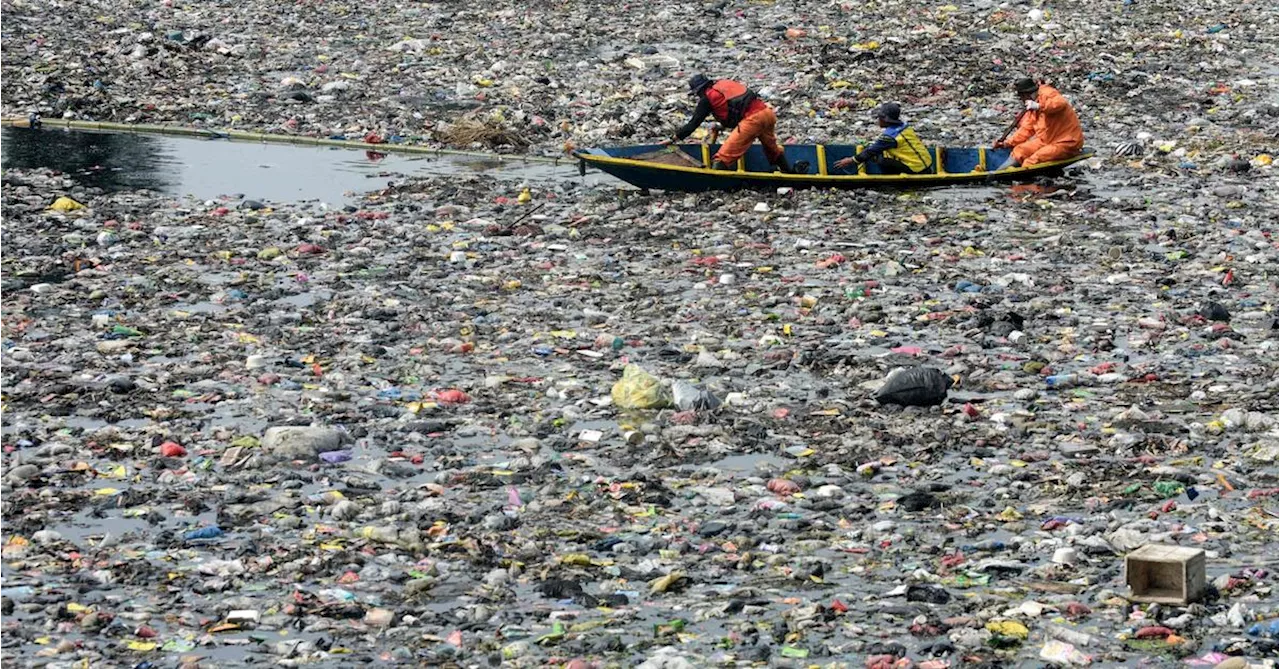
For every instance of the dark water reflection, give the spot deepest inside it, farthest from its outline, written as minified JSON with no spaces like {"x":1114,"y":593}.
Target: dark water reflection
{"x":108,"y":161}
{"x":212,"y":168}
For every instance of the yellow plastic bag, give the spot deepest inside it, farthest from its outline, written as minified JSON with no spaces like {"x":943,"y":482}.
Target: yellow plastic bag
{"x":65,"y":203}
{"x":639,"y":389}
{"x":664,"y":583}
{"x":1008,"y":628}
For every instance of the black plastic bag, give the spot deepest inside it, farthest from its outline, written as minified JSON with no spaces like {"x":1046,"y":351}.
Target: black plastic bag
{"x":915,"y":386}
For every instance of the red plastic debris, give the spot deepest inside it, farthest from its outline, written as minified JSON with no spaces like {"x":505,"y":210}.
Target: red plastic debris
{"x":783,"y":486}
{"x":1154,"y":632}
{"x":451,"y":396}
{"x":1078,"y":610}
{"x":310,"y":249}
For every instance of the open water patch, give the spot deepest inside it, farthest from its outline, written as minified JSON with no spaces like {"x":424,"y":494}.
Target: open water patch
{"x":213,"y":168}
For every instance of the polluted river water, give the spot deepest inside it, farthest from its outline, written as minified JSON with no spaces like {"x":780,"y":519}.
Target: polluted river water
{"x":217,"y":168}
{"x":336,"y":423}
{"x":474,"y":496}
{"x":213,"y":168}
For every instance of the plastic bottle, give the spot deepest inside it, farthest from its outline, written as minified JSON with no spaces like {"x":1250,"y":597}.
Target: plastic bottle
{"x":211,"y":532}
{"x":1061,"y":380}
{"x":1068,"y":635}
{"x":1271,"y":629}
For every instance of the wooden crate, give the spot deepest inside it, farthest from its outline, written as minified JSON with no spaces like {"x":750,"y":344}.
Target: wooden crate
{"x":1165,"y":574}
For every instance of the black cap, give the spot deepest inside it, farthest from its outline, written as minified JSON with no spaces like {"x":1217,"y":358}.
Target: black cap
{"x":889,"y":111}
{"x":1025,"y":85}
{"x":697,"y":83}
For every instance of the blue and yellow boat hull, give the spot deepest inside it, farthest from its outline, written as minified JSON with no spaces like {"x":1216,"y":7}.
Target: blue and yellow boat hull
{"x":753,"y":171}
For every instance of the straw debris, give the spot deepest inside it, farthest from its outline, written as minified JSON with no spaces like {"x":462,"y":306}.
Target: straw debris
{"x":490,"y":132}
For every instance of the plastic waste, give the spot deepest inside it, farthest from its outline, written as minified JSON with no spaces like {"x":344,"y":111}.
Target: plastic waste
{"x":212,"y":532}
{"x":1063,"y":654}
{"x":638,"y":389}
{"x":458,"y":332}
{"x":65,"y":203}
{"x":688,"y":396}
{"x":914,"y":386}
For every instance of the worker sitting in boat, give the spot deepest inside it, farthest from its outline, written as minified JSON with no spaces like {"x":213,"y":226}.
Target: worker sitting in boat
{"x":898,"y":150}
{"x":1048,"y":128}
{"x":738,"y":108}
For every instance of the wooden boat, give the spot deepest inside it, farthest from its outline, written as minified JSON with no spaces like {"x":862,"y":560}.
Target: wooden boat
{"x":687,"y":167}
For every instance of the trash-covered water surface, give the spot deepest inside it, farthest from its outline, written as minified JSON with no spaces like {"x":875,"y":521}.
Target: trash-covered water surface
{"x":468,"y":421}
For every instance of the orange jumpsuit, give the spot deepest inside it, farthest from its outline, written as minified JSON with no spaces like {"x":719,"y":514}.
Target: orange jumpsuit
{"x":737,"y":107}
{"x":1048,"y":134}
{"x":759,"y":123}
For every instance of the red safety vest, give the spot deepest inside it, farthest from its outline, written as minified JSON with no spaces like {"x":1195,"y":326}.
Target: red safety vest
{"x":731,"y":101}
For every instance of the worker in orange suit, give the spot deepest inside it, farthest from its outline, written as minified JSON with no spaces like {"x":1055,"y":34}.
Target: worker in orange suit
{"x":1049,"y":129}
{"x":738,"y":108}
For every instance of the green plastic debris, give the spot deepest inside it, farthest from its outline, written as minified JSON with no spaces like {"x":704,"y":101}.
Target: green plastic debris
{"x":670,"y":628}
{"x":556,"y":635}
{"x":968,"y":581}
